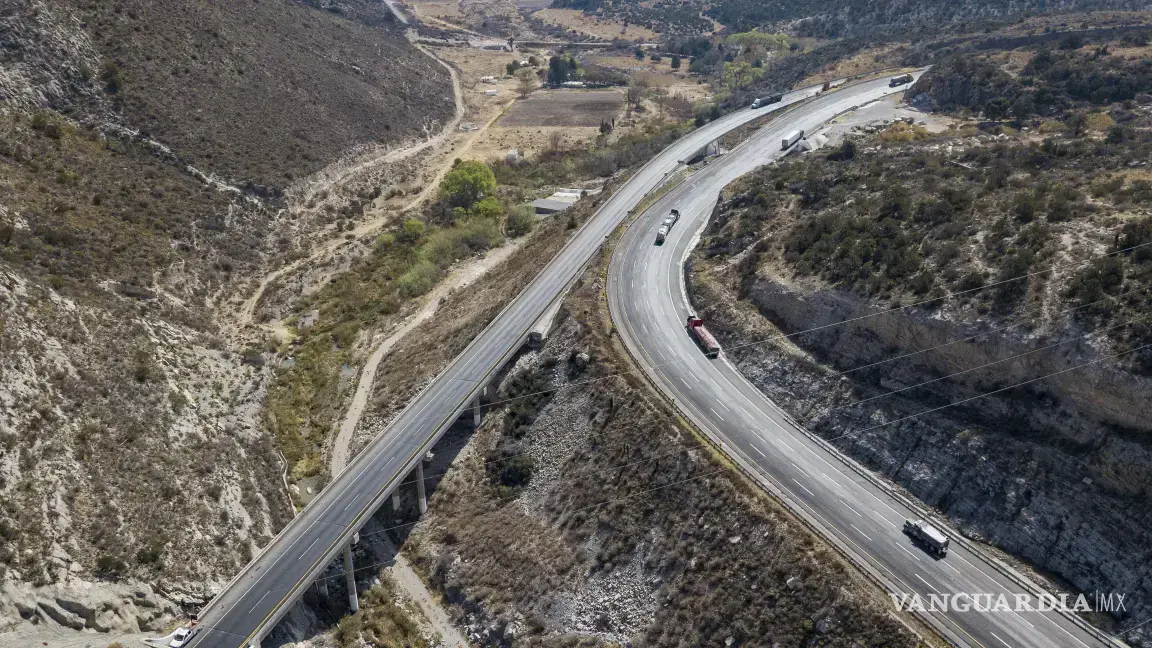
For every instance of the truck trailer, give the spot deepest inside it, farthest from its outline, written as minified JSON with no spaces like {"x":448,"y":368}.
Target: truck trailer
{"x":666,"y":226}
{"x":764,"y":101}
{"x":703,"y":338}
{"x":791,"y":139}
{"x":900,"y":80}
{"x":929,"y":536}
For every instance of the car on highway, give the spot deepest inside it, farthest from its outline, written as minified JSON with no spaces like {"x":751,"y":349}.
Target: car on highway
{"x":182,"y":637}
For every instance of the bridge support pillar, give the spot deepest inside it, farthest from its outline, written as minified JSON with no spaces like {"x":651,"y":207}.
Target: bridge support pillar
{"x":420,"y":495}
{"x":476,"y":412}
{"x":322,"y":587}
{"x":350,"y":577}
{"x":396,"y":500}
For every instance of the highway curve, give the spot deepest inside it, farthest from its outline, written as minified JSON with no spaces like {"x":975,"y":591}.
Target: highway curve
{"x":649,"y":307}
{"x":251,"y":604}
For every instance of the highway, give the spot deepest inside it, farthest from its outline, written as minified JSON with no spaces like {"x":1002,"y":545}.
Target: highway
{"x":250,"y":605}
{"x":649,"y":306}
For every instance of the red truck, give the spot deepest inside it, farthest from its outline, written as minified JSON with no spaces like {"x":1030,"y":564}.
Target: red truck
{"x":703,"y":338}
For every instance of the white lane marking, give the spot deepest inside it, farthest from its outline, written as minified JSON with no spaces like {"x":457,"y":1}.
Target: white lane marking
{"x":799,"y":468}
{"x":1042,"y":616}
{"x":804,"y":487}
{"x":258,"y":603}
{"x":721,"y":404}
{"x":860,"y":532}
{"x":309,"y":547}
{"x":686,"y":384}
{"x":925,"y":582}
{"x":743,"y":410}
{"x":999,"y":639}
{"x":1022,"y":618}
{"x":914,"y":556}
{"x":716,"y":413}
{"x":950,"y":567}
{"x":693,"y":374}
{"x":852,"y":509}
{"x":759,"y":450}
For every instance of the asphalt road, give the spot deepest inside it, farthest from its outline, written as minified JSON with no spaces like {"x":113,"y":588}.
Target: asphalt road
{"x":261,"y":594}
{"x":649,"y":306}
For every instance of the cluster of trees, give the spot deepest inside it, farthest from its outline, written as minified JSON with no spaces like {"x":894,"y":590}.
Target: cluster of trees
{"x":562,"y":69}
{"x":1052,"y":82}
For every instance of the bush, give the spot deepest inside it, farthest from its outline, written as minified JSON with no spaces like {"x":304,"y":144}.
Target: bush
{"x":411,"y":231}
{"x":488,"y":208}
{"x":418,"y":280}
{"x":521,"y":220}
{"x":110,"y":567}
{"x":112,"y":78}
{"x":466,"y":183}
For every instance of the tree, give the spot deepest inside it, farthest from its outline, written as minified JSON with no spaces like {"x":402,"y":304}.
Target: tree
{"x":739,"y":74}
{"x":996,"y":109}
{"x":562,"y":69}
{"x":675,"y":61}
{"x":639,"y":53}
{"x":488,"y":208}
{"x":526,"y":82}
{"x":512,"y":67}
{"x":466,"y":183}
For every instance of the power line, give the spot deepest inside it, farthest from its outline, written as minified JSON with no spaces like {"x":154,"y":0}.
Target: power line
{"x":990,"y":364}
{"x":991,"y":393}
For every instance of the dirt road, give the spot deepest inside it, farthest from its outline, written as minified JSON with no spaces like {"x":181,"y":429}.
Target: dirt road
{"x":248,"y":308}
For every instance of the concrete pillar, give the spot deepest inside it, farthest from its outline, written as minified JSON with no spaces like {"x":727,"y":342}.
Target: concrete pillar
{"x":420,"y":487}
{"x":322,"y":588}
{"x":476,"y":412}
{"x":350,"y":577}
{"x":396,"y":500}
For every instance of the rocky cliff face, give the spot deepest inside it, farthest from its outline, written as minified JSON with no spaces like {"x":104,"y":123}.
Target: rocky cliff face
{"x":1055,"y":471}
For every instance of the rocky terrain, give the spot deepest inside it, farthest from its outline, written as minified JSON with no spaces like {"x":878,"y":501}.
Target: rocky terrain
{"x":992,"y":360}
{"x":151,"y":159}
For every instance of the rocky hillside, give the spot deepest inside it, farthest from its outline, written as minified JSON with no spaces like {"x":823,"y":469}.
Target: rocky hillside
{"x":997,"y":282}
{"x":143,"y":147}
{"x":837,"y":19}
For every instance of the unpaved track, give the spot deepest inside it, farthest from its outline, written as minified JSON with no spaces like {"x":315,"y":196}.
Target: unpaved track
{"x":460,"y":277}
{"x":248,"y":308}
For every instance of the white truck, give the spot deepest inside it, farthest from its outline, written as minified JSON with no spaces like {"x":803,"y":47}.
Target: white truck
{"x":929,"y":536}
{"x":789,"y":141}
{"x":666,"y":226}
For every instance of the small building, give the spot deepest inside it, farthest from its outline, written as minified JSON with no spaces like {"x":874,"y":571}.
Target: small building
{"x":492,"y":93}
{"x":487,"y":79}
{"x":546,"y":206}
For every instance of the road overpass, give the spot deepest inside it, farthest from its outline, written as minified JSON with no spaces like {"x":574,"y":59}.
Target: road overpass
{"x":251,"y":604}
{"x":855,"y":510}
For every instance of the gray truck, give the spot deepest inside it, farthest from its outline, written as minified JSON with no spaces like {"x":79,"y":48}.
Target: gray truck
{"x":927,"y":535}
{"x":764,"y":101}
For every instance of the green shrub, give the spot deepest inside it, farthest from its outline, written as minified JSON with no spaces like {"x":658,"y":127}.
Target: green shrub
{"x":521,"y":220}
{"x":418,"y":280}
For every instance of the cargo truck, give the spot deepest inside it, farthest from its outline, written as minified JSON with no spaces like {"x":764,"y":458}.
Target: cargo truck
{"x":764,"y":101}
{"x":666,"y":226}
{"x":900,"y":80}
{"x":703,"y":338}
{"x":929,"y":536}
{"x":792,"y":138}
